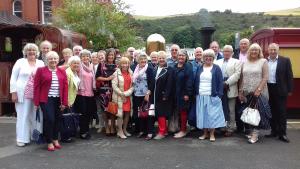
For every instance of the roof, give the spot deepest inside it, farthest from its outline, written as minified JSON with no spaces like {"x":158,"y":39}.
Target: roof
{"x":8,"y":19}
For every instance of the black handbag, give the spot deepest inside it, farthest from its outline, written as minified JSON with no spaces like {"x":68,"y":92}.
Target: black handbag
{"x":69,"y":123}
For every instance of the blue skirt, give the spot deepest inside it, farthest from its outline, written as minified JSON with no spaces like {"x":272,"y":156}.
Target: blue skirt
{"x":209,"y":112}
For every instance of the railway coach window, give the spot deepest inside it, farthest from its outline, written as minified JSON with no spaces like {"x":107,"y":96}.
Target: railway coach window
{"x":17,"y":8}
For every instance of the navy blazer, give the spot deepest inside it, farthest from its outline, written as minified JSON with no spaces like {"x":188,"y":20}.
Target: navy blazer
{"x":217,"y":81}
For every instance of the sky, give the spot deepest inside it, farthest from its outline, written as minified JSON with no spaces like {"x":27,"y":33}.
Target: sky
{"x":173,"y":7}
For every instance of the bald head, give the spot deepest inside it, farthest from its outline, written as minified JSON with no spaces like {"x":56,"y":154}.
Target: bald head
{"x":244,"y":45}
{"x":174,"y":51}
{"x":198,"y":54}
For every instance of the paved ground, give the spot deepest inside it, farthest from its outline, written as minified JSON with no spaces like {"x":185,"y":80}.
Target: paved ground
{"x":133,"y":153}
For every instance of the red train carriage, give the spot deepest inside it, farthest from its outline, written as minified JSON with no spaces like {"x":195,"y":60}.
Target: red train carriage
{"x":289,"y":42}
{"x":14,"y":37}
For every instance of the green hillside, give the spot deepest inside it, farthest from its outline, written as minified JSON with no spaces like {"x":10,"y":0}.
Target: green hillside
{"x":185,"y":29}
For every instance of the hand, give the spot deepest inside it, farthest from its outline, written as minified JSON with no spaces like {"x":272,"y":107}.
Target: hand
{"x":164,"y":99}
{"x":257,"y":93}
{"x":110,"y":77}
{"x":35,"y":108}
{"x":14,"y":97}
{"x":226,"y":87}
{"x":242,"y":98}
{"x":290,"y":93}
{"x":62,"y":107}
{"x":146,"y":98}
{"x":185,"y":98}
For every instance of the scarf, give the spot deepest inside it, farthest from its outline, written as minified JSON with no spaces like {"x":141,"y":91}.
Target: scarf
{"x":139,"y":72}
{"x":88,"y":69}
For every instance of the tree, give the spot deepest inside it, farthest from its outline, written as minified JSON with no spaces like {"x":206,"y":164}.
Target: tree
{"x":106,"y":25}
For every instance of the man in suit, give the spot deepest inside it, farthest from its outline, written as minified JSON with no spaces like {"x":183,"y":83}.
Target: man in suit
{"x":241,"y":55}
{"x":231,"y":70}
{"x":280,"y":86}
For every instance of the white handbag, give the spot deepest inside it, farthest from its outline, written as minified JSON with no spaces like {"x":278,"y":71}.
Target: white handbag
{"x":251,"y":116}
{"x":151,"y":110}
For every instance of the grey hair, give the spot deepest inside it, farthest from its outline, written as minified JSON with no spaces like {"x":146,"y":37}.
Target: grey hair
{"x":275,"y":45}
{"x":142,"y":55}
{"x":228,"y":47}
{"x":31,"y":46}
{"x":73,"y":59}
{"x":51,"y":54}
{"x":85,"y":52}
{"x":77,"y":46}
{"x":94,"y":54}
{"x":45,"y":42}
{"x":208,"y":53}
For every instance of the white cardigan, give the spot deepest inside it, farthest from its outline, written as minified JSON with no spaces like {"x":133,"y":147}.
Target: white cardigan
{"x":20,"y":75}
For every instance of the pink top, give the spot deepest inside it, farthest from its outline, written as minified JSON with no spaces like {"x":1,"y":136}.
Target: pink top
{"x":87,"y":83}
{"x":243,"y":57}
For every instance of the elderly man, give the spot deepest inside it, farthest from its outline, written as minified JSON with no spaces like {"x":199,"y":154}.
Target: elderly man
{"x":131,"y":51}
{"x":241,"y":54}
{"x":77,"y":49}
{"x":231,"y":70}
{"x":214,"y":45}
{"x":174,"y":53}
{"x":280,"y":85}
{"x":154,"y":58}
{"x":198,"y":59}
{"x":45,"y":47}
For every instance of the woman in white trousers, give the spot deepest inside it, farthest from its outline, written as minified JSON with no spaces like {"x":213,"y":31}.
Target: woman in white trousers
{"x":22,"y":94}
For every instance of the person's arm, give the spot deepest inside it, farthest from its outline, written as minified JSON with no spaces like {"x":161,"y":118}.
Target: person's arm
{"x":240,"y":86}
{"x":289,"y":76}
{"x":115,"y":84}
{"x":188,"y":91}
{"x":219,"y":81}
{"x":99,"y":75}
{"x":169,"y":85}
{"x":37,"y":86}
{"x":65,"y":88}
{"x":236,"y":75}
{"x":13,"y":81}
{"x":264,"y":80}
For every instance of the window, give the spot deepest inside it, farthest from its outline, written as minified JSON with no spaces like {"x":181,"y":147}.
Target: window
{"x":17,"y":8}
{"x":46,"y":12}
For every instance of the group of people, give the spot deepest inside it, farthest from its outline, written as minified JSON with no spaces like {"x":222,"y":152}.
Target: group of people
{"x":207,"y":93}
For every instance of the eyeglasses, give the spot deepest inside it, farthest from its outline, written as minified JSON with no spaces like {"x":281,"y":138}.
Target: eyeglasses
{"x":174,"y":49}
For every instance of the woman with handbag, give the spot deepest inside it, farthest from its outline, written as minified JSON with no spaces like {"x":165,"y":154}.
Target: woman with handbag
{"x":162,"y":93}
{"x":209,"y":91}
{"x":104,"y":76}
{"x":51,"y":94}
{"x":85,"y":103}
{"x":122,"y":90}
{"x":22,"y":77}
{"x":73,"y":84}
{"x":253,"y":81}
{"x":183,"y":75}
{"x":143,"y":83}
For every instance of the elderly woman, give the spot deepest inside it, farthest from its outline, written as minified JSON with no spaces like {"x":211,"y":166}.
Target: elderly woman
{"x":77,"y":49}
{"x":143,"y":83}
{"x":209,"y":91}
{"x":73,"y":83}
{"x":122,"y":90}
{"x":104,"y":75}
{"x":45,"y":47}
{"x":51,"y":94}
{"x":64,"y":63}
{"x":183,"y":90}
{"x":21,"y":72}
{"x":253,"y":82}
{"x":85,"y":102}
{"x":154,"y":59}
{"x":162,"y":91}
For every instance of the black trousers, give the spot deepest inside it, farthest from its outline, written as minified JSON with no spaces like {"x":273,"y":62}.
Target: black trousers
{"x":145,"y":125}
{"x":84,"y":105}
{"x":240,"y":125}
{"x":278,"y":110}
{"x":51,"y":118}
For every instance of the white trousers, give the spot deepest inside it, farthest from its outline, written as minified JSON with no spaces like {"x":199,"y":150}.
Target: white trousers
{"x":25,"y":115}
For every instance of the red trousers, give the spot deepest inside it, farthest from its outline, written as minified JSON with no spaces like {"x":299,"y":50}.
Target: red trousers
{"x":162,"y":125}
{"x":183,"y":121}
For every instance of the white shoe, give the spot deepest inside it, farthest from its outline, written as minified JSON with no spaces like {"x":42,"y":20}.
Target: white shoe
{"x":121,"y":135}
{"x":20,"y":144}
{"x":180,"y":134}
{"x":127,"y":134}
{"x":159,"y":137}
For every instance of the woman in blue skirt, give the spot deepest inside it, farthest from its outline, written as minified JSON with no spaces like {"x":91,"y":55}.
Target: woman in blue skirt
{"x":209,"y":91}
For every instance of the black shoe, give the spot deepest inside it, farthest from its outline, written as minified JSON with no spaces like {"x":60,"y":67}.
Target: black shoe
{"x":85,"y":136}
{"x":149,"y":137}
{"x":69,"y":140}
{"x":284,"y":138}
{"x":271,"y":135}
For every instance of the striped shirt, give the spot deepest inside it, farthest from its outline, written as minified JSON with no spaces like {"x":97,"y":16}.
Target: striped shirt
{"x":54,"y":88}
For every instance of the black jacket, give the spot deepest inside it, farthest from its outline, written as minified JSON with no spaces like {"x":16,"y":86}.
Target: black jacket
{"x":162,"y":92}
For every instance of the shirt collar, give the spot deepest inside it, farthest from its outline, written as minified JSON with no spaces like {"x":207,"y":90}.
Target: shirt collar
{"x":274,"y":59}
